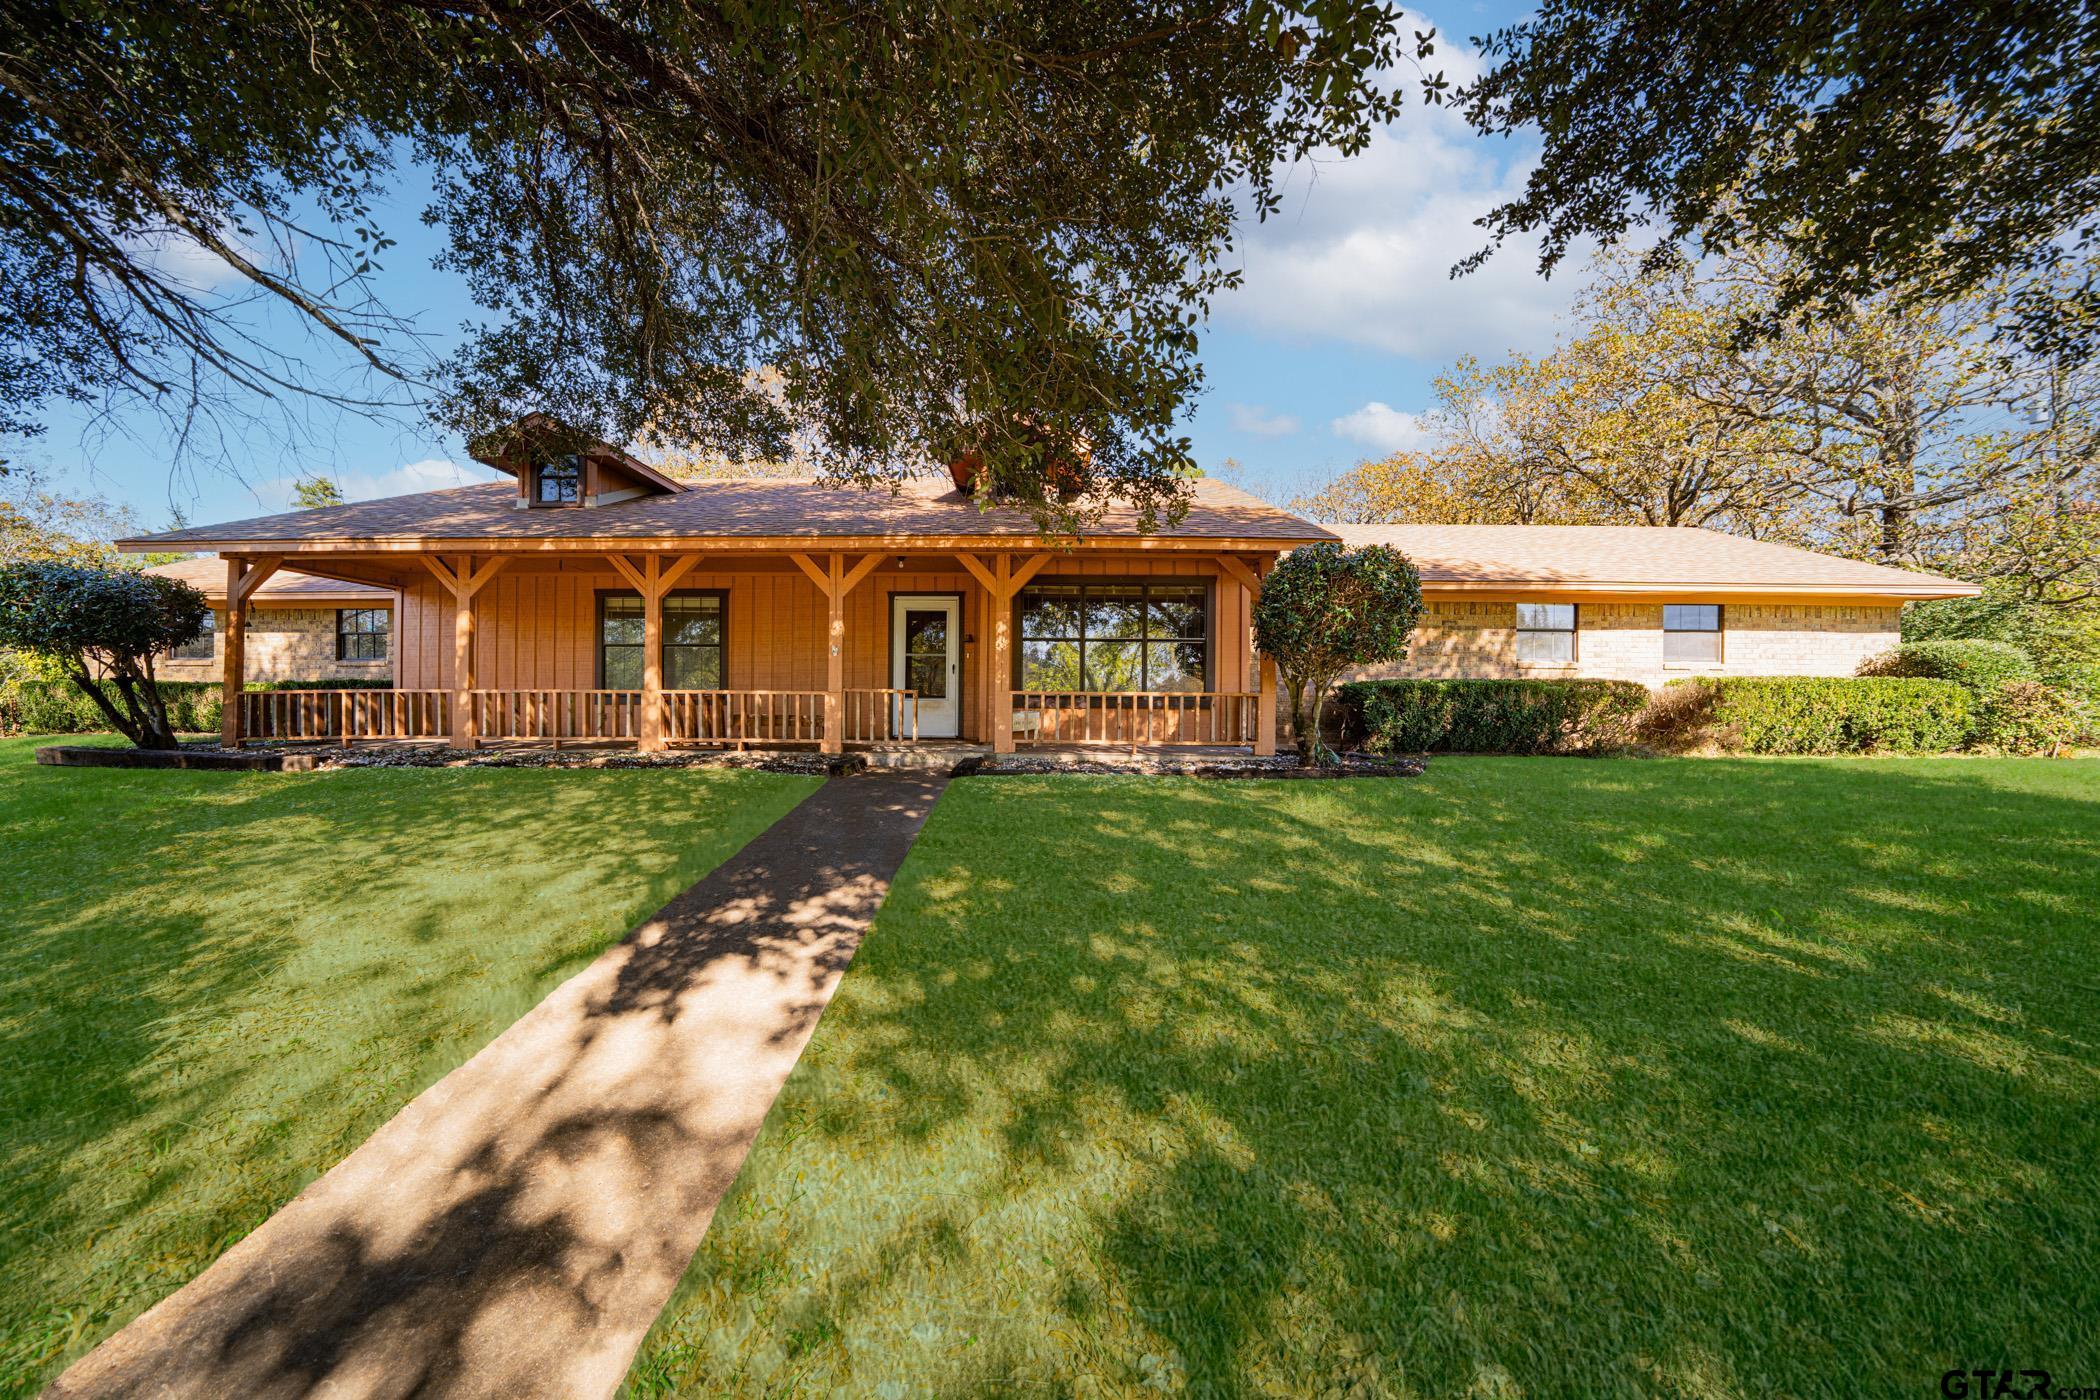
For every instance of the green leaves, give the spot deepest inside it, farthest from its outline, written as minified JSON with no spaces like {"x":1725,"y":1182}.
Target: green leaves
{"x":1324,"y":609}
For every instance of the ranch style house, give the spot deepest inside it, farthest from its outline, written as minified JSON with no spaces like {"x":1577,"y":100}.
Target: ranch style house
{"x":590,"y":599}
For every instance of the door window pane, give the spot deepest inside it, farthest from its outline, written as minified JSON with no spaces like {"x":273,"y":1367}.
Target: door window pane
{"x":926,"y":653}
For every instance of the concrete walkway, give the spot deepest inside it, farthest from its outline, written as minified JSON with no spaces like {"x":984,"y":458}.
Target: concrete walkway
{"x":515,"y":1230}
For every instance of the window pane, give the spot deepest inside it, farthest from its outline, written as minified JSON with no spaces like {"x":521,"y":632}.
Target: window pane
{"x":1052,"y":611}
{"x":1111,"y":665}
{"x":1546,"y":646}
{"x":1557,"y":617}
{"x":623,"y":621}
{"x":1691,"y":646}
{"x":687,"y":668}
{"x":928,"y":675}
{"x":926,"y":633}
{"x":198,"y":648}
{"x":1175,"y":612}
{"x":1050,"y":666}
{"x":623,"y":668}
{"x":1691,"y":617}
{"x":1114,"y":612}
{"x":691,"y":622}
{"x":1174,"y":666}
{"x":559,"y":480}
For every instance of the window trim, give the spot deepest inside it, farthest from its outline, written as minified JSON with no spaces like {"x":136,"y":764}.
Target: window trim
{"x":386,"y":633}
{"x":539,"y":473}
{"x":1208,"y":583}
{"x":598,"y":641}
{"x":1573,"y":632}
{"x":1719,"y":632}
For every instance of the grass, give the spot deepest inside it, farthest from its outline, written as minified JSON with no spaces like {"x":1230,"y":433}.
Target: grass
{"x":1532,"y":1077}
{"x":213,"y":986}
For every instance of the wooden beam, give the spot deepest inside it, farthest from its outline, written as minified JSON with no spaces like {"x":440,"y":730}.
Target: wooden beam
{"x":235,"y":659}
{"x":982,"y":574}
{"x":1240,"y":571}
{"x":678,"y":570}
{"x":1265,"y":697}
{"x":835,"y":662}
{"x":464,"y":724}
{"x":817,"y":576}
{"x":651,"y":737}
{"x":488,"y":570}
{"x":256,"y":575}
{"x":859,"y":572}
{"x":444,"y":575}
{"x":1002,"y":657}
{"x":1029,"y":570}
{"x":629,"y":572}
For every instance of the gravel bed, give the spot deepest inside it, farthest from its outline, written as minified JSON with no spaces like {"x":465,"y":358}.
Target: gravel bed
{"x":327,"y":757}
{"x":1169,"y":765}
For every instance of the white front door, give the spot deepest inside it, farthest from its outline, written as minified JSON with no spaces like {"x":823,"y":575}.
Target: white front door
{"x":926,"y":656}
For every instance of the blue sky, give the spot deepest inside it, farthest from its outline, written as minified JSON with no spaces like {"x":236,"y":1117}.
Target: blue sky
{"x":1325,"y":355}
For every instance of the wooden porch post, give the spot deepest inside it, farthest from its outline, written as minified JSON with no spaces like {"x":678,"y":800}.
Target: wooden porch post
{"x":1002,"y":582}
{"x":1265,"y":701}
{"x":242,"y":579}
{"x":652,"y":728}
{"x":463,"y":581}
{"x":836,"y":582}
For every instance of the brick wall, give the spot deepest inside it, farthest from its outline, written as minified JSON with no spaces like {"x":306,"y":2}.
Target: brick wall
{"x":284,"y":644}
{"x":1459,"y":638}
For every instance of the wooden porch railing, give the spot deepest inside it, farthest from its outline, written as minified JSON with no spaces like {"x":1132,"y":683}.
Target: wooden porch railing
{"x":882,"y":717}
{"x":557,"y":715}
{"x":344,"y":716}
{"x":739,"y":717}
{"x":1135,"y":719}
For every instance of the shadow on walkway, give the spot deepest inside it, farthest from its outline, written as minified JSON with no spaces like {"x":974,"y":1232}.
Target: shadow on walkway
{"x":516,"y":1229}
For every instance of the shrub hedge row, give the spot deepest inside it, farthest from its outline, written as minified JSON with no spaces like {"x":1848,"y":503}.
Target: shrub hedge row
{"x":1981,"y":665}
{"x":58,"y":707}
{"x":1841,"y":714}
{"x":1491,"y":716}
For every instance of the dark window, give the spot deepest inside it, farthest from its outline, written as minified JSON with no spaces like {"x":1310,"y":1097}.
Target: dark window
{"x":198,"y":648}
{"x":926,"y":652}
{"x":360,"y":634}
{"x":560,"y":482}
{"x":693,"y":641}
{"x":1546,"y":633}
{"x":1115,"y":636}
{"x":1692,"y":632}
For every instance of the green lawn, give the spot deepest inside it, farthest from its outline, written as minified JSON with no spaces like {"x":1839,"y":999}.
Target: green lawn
{"x":213,"y":986}
{"x":1534,"y":1077}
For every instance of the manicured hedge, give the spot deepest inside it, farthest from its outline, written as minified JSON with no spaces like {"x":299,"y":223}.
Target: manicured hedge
{"x":1841,"y":714}
{"x":1500,"y":716}
{"x":57,"y":707}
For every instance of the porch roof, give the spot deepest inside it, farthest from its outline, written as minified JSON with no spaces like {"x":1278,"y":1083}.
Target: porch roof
{"x":287,"y":588}
{"x":920,"y":512}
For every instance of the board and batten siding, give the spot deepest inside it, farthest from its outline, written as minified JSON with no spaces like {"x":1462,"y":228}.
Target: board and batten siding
{"x":536,"y":626}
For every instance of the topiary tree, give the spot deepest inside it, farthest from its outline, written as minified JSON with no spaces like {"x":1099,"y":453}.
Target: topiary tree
{"x":85,"y":619}
{"x":1325,"y":609}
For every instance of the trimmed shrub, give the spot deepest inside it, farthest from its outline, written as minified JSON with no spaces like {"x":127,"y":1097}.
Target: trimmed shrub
{"x":1842,"y":714}
{"x":2028,"y":717}
{"x":2080,"y":683}
{"x":1499,"y":716}
{"x":1981,"y":665}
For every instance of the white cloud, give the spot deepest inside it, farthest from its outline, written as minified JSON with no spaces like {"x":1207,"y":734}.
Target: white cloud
{"x":1258,"y":421}
{"x":1383,"y":427}
{"x":1362,"y":249}
{"x":430,"y":474}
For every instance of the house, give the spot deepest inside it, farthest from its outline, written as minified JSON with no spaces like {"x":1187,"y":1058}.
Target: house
{"x":1641,"y":603}
{"x":300,"y":628}
{"x":589,"y":598}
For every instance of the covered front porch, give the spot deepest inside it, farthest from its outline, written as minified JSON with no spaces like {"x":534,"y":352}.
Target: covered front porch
{"x":830,"y":650}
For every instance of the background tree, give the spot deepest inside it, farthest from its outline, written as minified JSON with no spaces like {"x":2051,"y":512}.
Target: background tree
{"x":85,"y":619}
{"x":990,"y":228}
{"x":1325,"y":609}
{"x":38,"y":523}
{"x":1927,"y":150}
{"x":316,"y":492}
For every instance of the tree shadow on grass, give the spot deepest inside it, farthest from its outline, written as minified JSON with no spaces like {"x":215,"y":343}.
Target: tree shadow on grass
{"x":216,"y":986}
{"x":1539,"y":1078}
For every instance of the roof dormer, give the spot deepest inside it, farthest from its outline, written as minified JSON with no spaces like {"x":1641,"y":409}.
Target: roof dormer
{"x":559,"y":468}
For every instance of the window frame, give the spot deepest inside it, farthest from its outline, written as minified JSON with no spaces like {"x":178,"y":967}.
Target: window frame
{"x":1143,"y":582}
{"x":1573,"y":632}
{"x":384,"y":633}
{"x":1719,"y":632}
{"x":721,"y":595}
{"x":539,"y":478}
{"x":208,"y":638}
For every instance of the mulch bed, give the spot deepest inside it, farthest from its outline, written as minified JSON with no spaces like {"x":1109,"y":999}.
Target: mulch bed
{"x":1168,"y":765}
{"x":190,"y":756}
{"x":324,"y":758}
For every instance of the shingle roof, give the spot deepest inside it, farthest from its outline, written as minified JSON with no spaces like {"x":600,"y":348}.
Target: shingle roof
{"x":286,"y":586}
{"x":727,"y":509}
{"x":1638,"y":559}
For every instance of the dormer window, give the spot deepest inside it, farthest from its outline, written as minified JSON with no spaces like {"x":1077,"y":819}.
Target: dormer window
{"x":559,"y":482}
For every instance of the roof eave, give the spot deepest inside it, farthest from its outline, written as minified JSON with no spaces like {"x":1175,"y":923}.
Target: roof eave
{"x":1920,"y":590}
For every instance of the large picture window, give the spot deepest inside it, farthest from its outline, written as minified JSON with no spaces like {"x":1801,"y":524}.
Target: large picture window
{"x":693,"y":641}
{"x":1115,"y":636}
{"x":1546,"y":633}
{"x":360,"y":634}
{"x":1691,"y":633}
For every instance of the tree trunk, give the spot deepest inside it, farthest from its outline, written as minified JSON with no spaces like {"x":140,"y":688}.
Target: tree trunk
{"x":84,"y":681}
{"x":1305,"y":718}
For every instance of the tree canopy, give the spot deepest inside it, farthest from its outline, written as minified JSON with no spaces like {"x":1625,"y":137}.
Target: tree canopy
{"x":1929,"y":148}
{"x":983,"y":227}
{"x":113,"y":620}
{"x":1324,"y":609}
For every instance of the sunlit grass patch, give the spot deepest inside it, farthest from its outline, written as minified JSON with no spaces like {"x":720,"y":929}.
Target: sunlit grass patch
{"x":1534,"y":1077}
{"x":213,"y":986}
